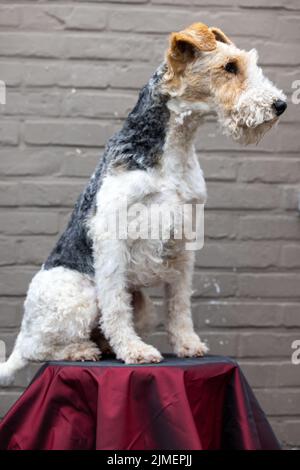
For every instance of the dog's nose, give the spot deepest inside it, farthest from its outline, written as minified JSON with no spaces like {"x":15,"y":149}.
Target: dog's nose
{"x":280,"y":106}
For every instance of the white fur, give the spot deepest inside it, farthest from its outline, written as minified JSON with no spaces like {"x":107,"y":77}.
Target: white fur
{"x":130,"y":264}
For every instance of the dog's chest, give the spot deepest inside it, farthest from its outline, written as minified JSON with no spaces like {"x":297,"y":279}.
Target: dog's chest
{"x":157,"y":256}
{"x":153,"y":257}
{"x":154,"y":215}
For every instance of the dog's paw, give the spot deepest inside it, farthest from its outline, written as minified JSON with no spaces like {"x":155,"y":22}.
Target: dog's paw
{"x":190,"y":346}
{"x":86,"y":353}
{"x":141,"y":353}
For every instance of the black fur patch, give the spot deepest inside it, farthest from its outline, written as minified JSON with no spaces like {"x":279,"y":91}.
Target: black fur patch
{"x":138,"y":145}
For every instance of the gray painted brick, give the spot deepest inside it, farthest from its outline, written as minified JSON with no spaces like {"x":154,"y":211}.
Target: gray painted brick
{"x":279,"y":402}
{"x":111,"y":105}
{"x":149,"y":21}
{"x":141,"y":20}
{"x":219,"y":225}
{"x":211,"y":139}
{"x":270,"y":171}
{"x":291,"y":315}
{"x":9,"y":132}
{"x":66,"y":132}
{"x":7,"y":252}
{"x":289,"y":4}
{"x":214,"y":284}
{"x":61,"y":74}
{"x":11,"y":73}
{"x":290,"y":256}
{"x":248,"y":196}
{"x":45,"y":73}
{"x":34,"y":45}
{"x":10,"y":313}
{"x":80,"y":162}
{"x":269,"y":227}
{"x":287,"y":431}
{"x":269,"y":285}
{"x":268,"y":374}
{"x":225,"y":344}
{"x":130,"y":75}
{"x":9,"y":16}
{"x":233,"y":254}
{"x":7,"y":399}
{"x":14,"y":281}
{"x":28,"y":223}
{"x":266,"y":344}
{"x":50,"y":193}
{"x":107,"y":47}
{"x":33,"y":250}
{"x":218,"y":168}
{"x":8,"y":194}
{"x":221,"y":313}
{"x":288,"y":25}
{"x":71,"y":103}
{"x":30,"y":161}
{"x":290,"y":197}
{"x":91,"y":46}
{"x":52,"y":17}
{"x":272,"y":52}
{"x":43,"y":104}
{"x":9,"y":339}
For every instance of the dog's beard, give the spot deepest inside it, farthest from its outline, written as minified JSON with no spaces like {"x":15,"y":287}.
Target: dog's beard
{"x":253,"y":135}
{"x":244,"y":134}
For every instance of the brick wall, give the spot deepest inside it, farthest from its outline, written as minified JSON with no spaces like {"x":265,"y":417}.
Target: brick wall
{"x":72,"y":71}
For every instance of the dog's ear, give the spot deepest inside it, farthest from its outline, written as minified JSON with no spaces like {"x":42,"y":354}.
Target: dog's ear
{"x":220,"y":36}
{"x":185,"y":45}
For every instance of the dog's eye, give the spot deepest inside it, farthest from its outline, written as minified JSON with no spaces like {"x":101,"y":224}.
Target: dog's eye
{"x":231,"y":67}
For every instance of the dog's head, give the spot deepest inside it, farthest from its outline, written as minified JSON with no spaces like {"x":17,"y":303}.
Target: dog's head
{"x":206,"y":71}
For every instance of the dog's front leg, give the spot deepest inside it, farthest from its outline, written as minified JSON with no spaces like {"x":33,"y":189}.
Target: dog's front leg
{"x":185,"y":342}
{"x":115,"y":302}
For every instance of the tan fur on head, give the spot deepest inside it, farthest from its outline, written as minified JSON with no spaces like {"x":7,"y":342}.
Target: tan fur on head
{"x":207,"y":73}
{"x":184,"y":46}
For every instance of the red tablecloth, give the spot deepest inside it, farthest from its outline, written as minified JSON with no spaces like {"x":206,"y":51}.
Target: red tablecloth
{"x":179,"y":404}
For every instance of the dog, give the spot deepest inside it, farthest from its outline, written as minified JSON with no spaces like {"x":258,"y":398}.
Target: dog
{"x":91,"y":282}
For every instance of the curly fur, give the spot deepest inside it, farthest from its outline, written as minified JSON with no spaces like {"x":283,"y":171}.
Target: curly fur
{"x":252,"y":115}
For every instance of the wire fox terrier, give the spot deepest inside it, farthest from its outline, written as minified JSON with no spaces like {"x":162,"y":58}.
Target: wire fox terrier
{"x":94,"y":283}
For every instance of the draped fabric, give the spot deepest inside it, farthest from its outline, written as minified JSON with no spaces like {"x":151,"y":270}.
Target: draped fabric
{"x":180,"y":404}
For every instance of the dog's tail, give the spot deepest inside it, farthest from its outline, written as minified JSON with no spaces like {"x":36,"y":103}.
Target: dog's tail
{"x":9,"y":368}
